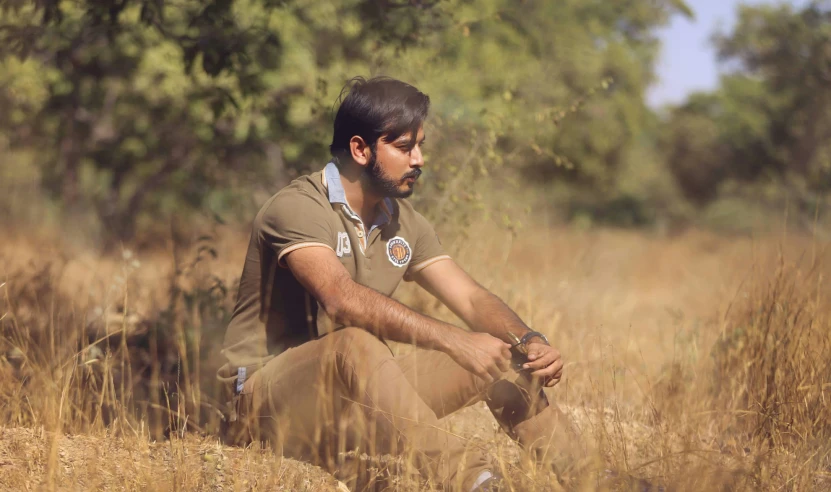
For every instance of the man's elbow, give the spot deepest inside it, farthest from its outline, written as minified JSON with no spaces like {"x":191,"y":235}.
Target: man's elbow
{"x":337,"y":307}
{"x":345,"y":302}
{"x":333,"y":307}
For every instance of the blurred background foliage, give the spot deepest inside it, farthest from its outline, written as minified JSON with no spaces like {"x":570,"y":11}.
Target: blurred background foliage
{"x":121,"y":115}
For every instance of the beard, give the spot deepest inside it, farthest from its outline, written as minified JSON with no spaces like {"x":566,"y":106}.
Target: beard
{"x":385,"y":185}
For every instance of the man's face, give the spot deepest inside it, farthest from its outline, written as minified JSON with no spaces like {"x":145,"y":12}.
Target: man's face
{"x":393,"y":168}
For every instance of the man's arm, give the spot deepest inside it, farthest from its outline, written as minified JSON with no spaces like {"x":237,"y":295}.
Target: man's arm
{"x":476,"y":306}
{"x":352,"y":304}
{"x":485,"y":312}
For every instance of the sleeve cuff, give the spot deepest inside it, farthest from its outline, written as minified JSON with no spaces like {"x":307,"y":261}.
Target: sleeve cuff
{"x":421,"y":266}
{"x":295,"y":247}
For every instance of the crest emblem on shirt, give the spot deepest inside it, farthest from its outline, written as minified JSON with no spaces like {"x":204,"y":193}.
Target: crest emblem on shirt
{"x":344,"y":247}
{"x":398,"y":251}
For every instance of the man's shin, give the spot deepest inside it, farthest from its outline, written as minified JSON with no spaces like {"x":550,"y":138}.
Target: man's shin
{"x":546,"y":435}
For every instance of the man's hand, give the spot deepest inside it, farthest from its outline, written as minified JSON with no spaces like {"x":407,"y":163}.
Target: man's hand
{"x":484,"y":312}
{"x":545,"y":362}
{"x":484,"y":355}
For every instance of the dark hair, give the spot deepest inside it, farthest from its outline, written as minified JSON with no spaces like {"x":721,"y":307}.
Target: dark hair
{"x":375,"y":108}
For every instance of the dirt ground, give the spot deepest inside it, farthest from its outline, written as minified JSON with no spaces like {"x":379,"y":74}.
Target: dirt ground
{"x":84,"y":462}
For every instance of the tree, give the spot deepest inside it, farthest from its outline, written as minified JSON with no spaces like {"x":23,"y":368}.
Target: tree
{"x":791,"y":52}
{"x":139,"y":109}
{"x":555,"y":89}
{"x":770,"y":120}
{"x":149,"y":106}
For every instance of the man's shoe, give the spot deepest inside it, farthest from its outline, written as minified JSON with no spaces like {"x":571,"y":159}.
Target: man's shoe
{"x":494,"y":483}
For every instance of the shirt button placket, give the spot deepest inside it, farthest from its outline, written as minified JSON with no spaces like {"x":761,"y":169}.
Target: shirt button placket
{"x":359,"y":231}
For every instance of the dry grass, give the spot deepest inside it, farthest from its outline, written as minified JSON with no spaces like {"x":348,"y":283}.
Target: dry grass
{"x":33,"y":458}
{"x":697,"y":361}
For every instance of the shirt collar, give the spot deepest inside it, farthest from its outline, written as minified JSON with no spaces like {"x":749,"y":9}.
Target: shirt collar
{"x":331,"y":179}
{"x":332,"y":182}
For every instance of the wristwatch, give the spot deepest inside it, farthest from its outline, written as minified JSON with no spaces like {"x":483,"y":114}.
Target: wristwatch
{"x":532,"y":334}
{"x":519,"y":349}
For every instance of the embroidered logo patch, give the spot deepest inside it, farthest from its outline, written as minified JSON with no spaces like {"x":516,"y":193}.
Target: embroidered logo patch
{"x":398,"y":251}
{"x":344,"y":246}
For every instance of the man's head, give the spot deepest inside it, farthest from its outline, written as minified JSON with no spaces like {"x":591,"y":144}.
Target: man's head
{"x":379,"y":127}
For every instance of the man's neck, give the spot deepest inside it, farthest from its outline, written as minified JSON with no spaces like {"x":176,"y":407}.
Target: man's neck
{"x":360,"y":198}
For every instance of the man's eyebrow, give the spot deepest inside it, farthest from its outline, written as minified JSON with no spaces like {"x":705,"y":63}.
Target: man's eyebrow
{"x":406,"y":140}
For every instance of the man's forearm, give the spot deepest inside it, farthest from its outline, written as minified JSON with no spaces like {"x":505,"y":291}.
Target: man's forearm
{"x":491,"y":315}
{"x":389,"y":319}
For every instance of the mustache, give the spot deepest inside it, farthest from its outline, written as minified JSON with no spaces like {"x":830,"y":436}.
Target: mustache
{"x":415,"y":173}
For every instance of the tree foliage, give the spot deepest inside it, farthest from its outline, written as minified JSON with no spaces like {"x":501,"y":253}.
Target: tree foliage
{"x":139,"y":109}
{"x":770,"y":120}
{"x":150,"y":105}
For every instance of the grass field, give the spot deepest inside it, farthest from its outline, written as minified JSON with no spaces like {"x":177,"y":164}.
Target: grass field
{"x":696,"y":361}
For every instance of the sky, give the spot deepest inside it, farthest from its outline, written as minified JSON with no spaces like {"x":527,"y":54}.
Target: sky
{"x":688,"y":61}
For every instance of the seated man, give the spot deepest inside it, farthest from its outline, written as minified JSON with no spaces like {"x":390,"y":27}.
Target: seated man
{"x":305,"y":348}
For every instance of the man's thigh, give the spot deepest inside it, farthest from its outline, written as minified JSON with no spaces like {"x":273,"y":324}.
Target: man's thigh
{"x":442,"y":384}
{"x":297,"y":400}
{"x":447,"y":387}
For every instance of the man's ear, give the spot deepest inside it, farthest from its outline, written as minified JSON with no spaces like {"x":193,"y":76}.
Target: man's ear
{"x":361,"y":153}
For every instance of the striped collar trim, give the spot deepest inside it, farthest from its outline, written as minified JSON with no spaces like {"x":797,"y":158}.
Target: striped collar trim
{"x":330,"y":177}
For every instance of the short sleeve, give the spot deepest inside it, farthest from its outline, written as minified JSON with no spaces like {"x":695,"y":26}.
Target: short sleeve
{"x":427,"y":249}
{"x":296,"y":220}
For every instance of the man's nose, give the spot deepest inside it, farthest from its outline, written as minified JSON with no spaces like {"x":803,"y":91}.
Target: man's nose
{"x":416,"y":157}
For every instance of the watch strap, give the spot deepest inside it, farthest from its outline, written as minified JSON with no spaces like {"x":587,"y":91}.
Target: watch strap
{"x":532,"y":334}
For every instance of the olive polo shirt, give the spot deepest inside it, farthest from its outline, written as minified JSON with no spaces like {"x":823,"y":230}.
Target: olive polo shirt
{"x":273,"y":311}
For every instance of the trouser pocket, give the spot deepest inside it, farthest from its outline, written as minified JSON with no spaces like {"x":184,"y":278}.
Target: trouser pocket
{"x":236,"y":428}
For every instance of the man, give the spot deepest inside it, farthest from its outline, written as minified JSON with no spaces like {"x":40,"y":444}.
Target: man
{"x":306,"y":348}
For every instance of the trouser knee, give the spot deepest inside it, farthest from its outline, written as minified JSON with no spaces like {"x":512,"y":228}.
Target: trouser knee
{"x":359,"y":349}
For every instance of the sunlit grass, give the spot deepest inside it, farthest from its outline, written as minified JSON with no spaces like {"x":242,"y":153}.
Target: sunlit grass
{"x":697,"y":362}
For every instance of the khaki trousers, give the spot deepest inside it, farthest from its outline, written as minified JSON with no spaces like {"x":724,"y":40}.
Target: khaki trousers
{"x":346,"y":391}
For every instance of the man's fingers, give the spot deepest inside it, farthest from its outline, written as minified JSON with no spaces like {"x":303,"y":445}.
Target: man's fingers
{"x":540,"y":363}
{"x":555,"y":378}
{"x":550,"y":370}
{"x":536,"y":353}
{"x":552,"y":382}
